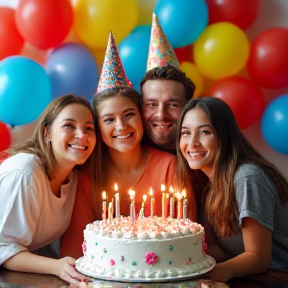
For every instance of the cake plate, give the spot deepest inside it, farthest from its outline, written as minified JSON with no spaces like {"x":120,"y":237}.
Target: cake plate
{"x":142,"y":280}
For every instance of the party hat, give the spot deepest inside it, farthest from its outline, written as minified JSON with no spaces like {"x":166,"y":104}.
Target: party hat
{"x":160,"y":51}
{"x":113,"y":73}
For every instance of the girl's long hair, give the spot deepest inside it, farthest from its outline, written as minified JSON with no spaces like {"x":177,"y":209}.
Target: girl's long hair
{"x":221,"y":205}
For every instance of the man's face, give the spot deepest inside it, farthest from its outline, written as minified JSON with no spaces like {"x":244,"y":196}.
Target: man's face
{"x":163,"y":101}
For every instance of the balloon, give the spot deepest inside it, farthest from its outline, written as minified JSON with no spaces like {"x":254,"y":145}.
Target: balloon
{"x":145,"y":9}
{"x":182,"y":21}
{"x":233,"y":11}
{"x":268,"y":62}
{"x":94,"y":20}
{"x":221,"y":51}
{"x":34,"y":53}
{"x":25,"y":90}
{"x":243,"y":96}
{"x":44,"y":23}
{"x":72,"y":69}
{"x":133,"y":51}
{"x":5,"y":137}
{"x":274,"y":126}
{"x":11,"y":40}
{"x":194,"y":74}
{"x":184,"y":53}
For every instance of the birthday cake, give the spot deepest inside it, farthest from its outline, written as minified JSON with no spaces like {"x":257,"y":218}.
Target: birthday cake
{"x":152,"y":248}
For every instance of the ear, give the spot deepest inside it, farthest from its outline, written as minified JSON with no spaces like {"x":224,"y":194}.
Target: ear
{"x":46,"y":135}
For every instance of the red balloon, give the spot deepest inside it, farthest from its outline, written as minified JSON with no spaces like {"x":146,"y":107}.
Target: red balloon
{"x":44,"y":23}
{"x":184,"y":53}
{"x":5,"y":137}
{"x":268,"y":61}
{"x":239,"y":12}
{"x":11,"y":40}
{"x":243,"y":97}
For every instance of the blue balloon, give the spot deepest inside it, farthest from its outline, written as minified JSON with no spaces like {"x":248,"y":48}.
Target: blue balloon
{"x":133,"y":51}
{"x":25,"y":90}
{"x":72,"y":69}
{"x":182,"y":21}
{"x":274,"y":124}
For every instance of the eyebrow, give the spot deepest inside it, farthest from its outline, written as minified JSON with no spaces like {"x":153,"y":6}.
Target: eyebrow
{"x":170,"y":100}
{"x":201,"y":126}
{"x":110,"y":114}
{"x":73,"y":120}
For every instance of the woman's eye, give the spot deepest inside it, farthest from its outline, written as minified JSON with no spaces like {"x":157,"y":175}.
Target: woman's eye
{"x":184,"y":133}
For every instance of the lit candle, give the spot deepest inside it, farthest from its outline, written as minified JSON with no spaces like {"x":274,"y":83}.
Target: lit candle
{"x":132,"y":206}
{"x":163,"y":199}
{"x":117,"y":202}
{"x":152,"y":205}
{"x":172,"y":203}
{"x":110,"y":210}
{"x":185,"y":204}
{"x":179,"y":206}
{"x":141,"y":213}
{"x":104,"y":205}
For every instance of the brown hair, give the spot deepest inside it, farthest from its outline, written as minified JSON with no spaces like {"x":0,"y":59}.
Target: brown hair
{"x":221,"y":205}
{"x":38,"y":146}
{"x":170,"y":72}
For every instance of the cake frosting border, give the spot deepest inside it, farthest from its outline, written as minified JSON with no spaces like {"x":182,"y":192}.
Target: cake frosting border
{"x":79,"y":267}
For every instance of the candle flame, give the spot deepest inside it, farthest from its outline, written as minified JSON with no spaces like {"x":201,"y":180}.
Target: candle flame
{"x":163,"y":188}
{"x":132,"y":194}
{"x":104,"y":195}
{"x":144,"y":198}
{"x":179,"y":196}
{"x":151,"y":192}
{"x":183,"y":193}
{"x":171,"y":189}
{"x":115,"y":187}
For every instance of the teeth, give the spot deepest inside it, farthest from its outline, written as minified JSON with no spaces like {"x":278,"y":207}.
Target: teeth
{"x":124,"y":137}
{"x":75,"y":146}
{"x":195,"y":154}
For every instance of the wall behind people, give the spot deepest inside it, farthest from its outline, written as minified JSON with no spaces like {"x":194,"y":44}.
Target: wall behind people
{"x":253,"y":82}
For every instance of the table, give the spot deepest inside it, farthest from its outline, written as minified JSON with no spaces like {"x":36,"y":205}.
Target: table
{"x":11,"y":279}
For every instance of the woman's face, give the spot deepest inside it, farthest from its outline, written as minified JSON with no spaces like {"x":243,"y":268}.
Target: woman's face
{"x":72,"y":135}
{"x":198,"y":144}
{"x":120,"y":123}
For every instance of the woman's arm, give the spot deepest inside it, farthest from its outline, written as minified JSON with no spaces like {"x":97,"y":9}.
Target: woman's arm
{"x":256,"y":258}
{"x":28,"y":262}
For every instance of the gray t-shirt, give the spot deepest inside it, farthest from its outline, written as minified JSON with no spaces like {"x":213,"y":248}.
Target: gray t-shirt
{"x":258,"y":198}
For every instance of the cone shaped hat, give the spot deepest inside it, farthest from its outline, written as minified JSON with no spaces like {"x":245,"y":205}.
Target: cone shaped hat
{"x":113,"y":73}
{"x":160,"y":51}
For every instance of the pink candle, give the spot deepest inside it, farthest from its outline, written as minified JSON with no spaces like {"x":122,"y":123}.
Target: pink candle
{"x":117,"y":202}
{"x":132,"y":206}
{"x":172,"y":203}
{"x":104,"y":205}
{"x":152,"y":205}
{"x":185,"y":205}
{"x":179,"y":207}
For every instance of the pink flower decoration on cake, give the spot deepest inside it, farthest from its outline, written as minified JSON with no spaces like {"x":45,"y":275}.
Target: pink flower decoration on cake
{"x":151,"y":258}
{"x":84,"y":247}
{"x":204,"y":245}
{"x":112,"y":262}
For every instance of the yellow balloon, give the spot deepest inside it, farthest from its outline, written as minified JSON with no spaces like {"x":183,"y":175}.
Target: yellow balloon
{"x":222,"y":50}
{"x":93,"y":19}
{"x":145,"y":8}
{"x":194,"y":74}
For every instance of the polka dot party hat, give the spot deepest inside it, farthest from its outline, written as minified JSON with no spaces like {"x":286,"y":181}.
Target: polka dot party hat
{"x":113,"y":73}
{"x":160,"y":51}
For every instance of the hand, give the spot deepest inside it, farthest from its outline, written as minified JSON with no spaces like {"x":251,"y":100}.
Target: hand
{"x":219,"y":273}
{"x":65,"y":269}
{"x":212,"y":284}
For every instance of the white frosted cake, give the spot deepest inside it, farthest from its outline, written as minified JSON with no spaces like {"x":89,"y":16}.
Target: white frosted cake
{"x":152,"y":248}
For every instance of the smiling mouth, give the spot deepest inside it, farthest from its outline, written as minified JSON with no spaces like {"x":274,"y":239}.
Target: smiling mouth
{"x":120,"y":137}
{"x":196,"y":154}
{"x":78,"y":147}
{"x":162,"y":126}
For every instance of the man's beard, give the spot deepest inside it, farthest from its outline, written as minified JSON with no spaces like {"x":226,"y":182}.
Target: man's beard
{"x":164,"y":140}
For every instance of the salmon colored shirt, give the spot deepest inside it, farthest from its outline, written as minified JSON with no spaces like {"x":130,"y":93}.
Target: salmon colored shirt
{"x":159,"y":170}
